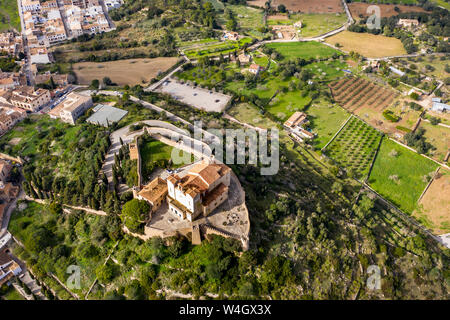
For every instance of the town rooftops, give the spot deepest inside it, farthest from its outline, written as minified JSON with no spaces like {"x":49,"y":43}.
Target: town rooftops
{"x":154,"y":191}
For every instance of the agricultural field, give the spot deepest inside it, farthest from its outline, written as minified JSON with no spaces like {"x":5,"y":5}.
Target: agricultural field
{"x":387,"y":10}
{"x":442,"y":3}
{"x":284,"y":104}
{"x":353,"y":93}
{"x":400,"y":175}
{"x":122,"y":72}
{"x":216,"y":48}
{"x":303,"y":50}
{"x":325,"y":120}
{"x":403,"y":121}
{"x":308,"y":6}
{"x":433,"y":211}
{"x":368,"y":45}
{"x":439,"y":137}
{"x":9,"y":15}
{"x":431,"y":65}
{"x":355,"y":147}
{"x":327,"y":70}
{"x":247,"y":113}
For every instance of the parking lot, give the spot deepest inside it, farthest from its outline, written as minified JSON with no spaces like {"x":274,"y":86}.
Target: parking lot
{"x":199,"y":98}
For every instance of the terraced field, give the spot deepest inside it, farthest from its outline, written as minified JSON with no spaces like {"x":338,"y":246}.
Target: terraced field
{"x":353,"y":93}
{"x":355,"y":147}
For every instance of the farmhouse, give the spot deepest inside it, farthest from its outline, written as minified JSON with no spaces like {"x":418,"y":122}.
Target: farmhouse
{"x":298,"y":24}
{"x":244,"y":58}
{"x":231,"y":35}
{"x":408,"y":22}
{"x":295,"y":125}
{"x":201,"y":190}
{"x":255,"y":69}
{"x":71,"y":108}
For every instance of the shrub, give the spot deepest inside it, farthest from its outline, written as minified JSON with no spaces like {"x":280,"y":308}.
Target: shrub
{"x":389,"y":115}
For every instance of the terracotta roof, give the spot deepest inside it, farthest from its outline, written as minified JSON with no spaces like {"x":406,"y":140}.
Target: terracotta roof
{"x":296,"y":119}
{"x":214,"y":194}
{"x":154,"y":191}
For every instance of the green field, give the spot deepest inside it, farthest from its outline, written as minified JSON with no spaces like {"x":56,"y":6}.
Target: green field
{"x":327,"y":70}
{"x":304,"y":50}
{"x":285,"y":104}
{"x":355,"y":146}
{"x":325,"y":120}
{"x":9,"y":15}
{"x":398,"y":174}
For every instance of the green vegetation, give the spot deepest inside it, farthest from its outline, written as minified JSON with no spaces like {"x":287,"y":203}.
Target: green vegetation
{"x":10,"y":293}
{"x":54,"y":241}
{"x":249,"y":20}
{"x":355,"y":147}
{"x":390,"y":115}
{"x":303,"y":50}
{"x":154,"y":153}
{"x":325,"y":120}
{"x":398,"y":174}
{"x":9,"y":15}
{"x":134,"y":214}
{"x":216,"y":48}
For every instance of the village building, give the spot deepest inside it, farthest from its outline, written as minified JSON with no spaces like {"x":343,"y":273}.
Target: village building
{"x":154,"y":193}
{"x":28,"y":98}
{"x":408,"y":22}
{"x":255,"y":69}
{"x":9,"y":116}
{"x":295,"y":124}
{"x":73,"y":106}
{"x":61,"y":80}
{"x":200,"y":191}
{"x":244,"y":58}
{"x":231,"y":35}
{"x":8,"y":267}
{"x":11,"y":43}
{"x":10,"y":80}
